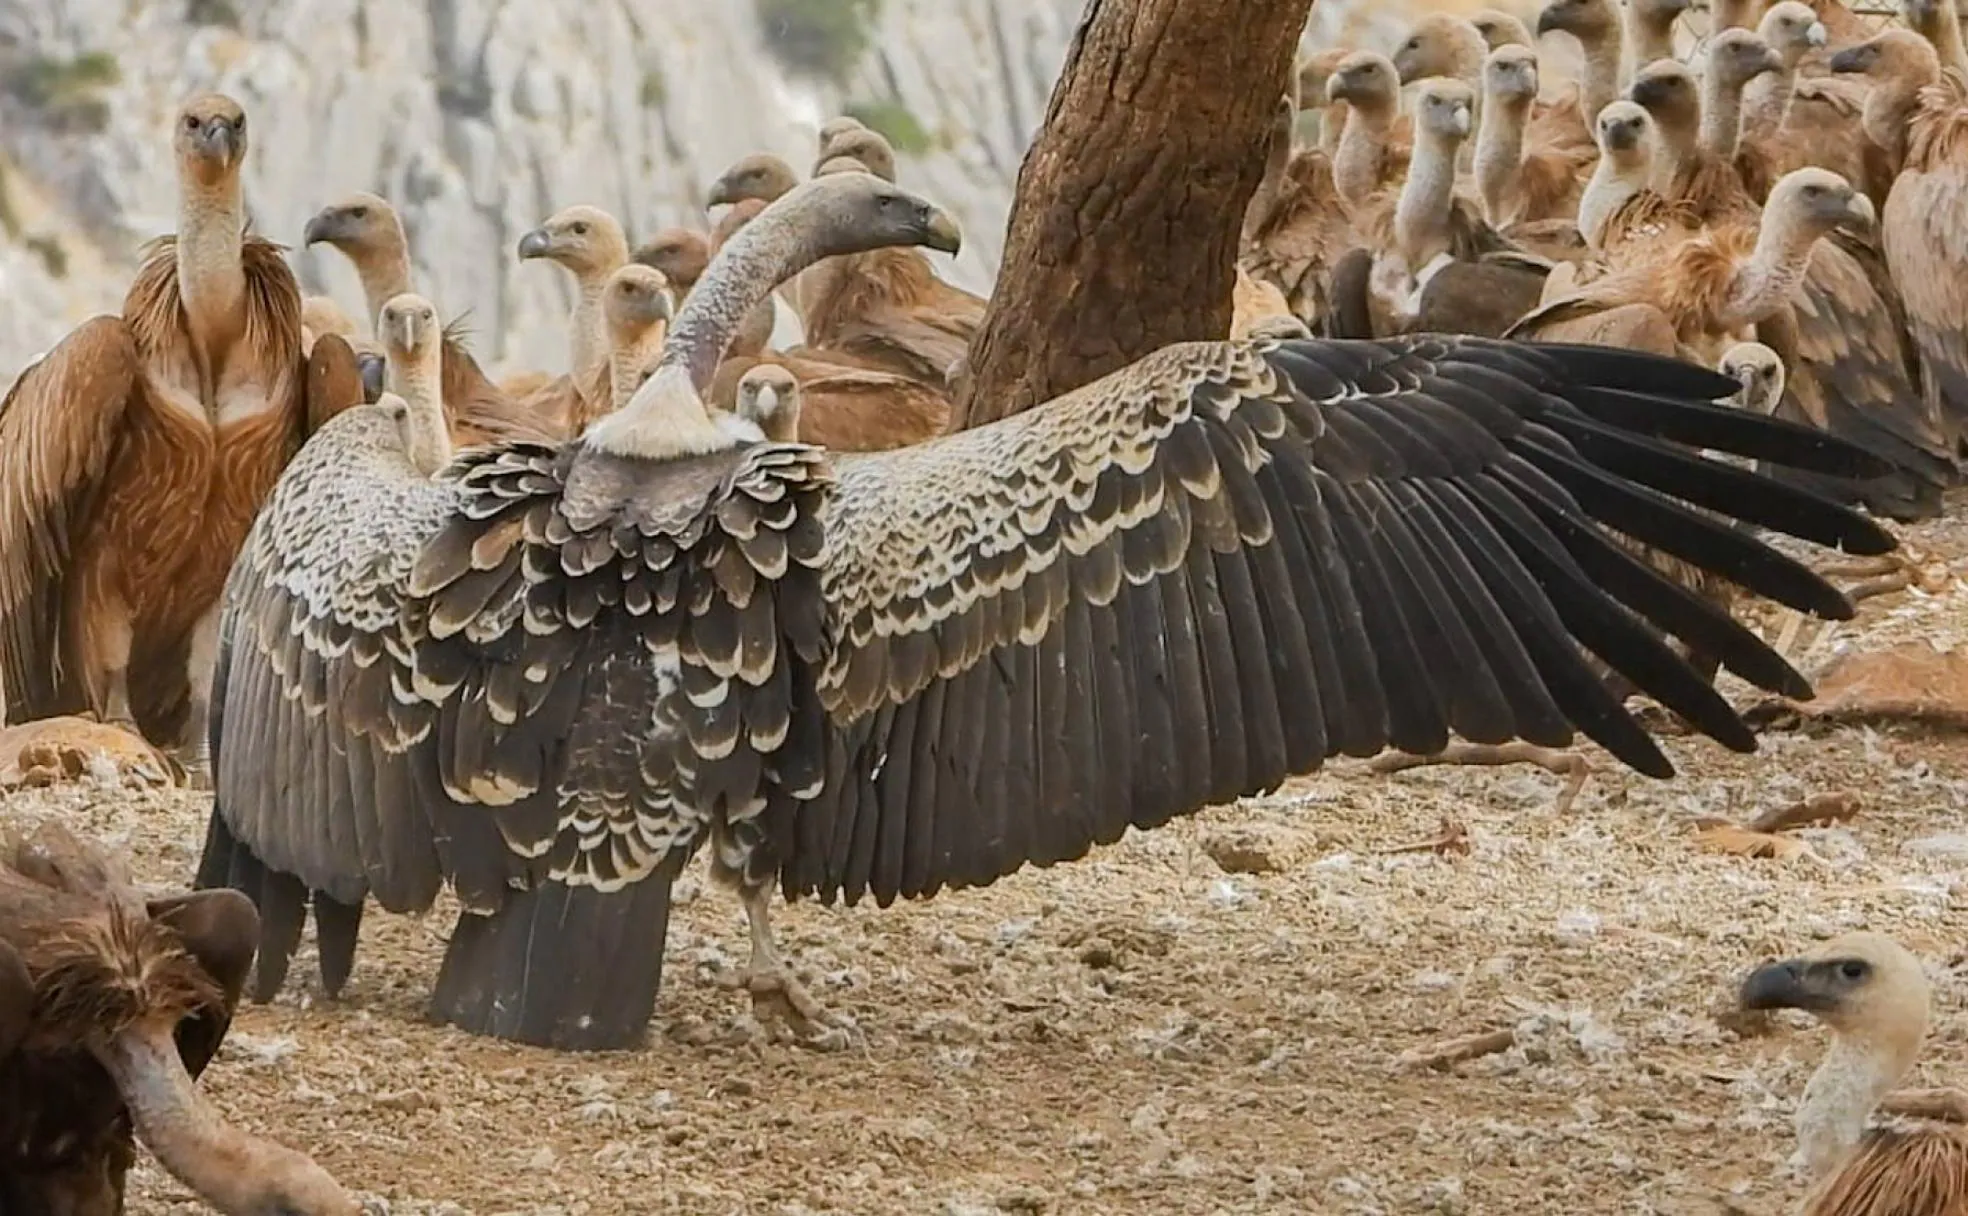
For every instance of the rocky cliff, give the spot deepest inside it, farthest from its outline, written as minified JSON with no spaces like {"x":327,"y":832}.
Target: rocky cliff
{"x":481,"y":117}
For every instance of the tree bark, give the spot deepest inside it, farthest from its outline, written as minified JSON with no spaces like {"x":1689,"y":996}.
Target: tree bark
{"x":1124,"y":225}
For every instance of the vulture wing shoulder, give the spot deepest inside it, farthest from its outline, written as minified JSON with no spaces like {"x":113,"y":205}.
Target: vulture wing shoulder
{"x":334,"y":379}
{"x":60,"y":429}
{"x":1924,"y":231}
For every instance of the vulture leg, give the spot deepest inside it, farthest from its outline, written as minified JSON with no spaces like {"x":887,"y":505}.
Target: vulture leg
{"x":195,"y":750}
{"x":777,"y":995}
{"x":109,"y":634}
{"x":1569,"y":765}
{"x":16,"y":1001}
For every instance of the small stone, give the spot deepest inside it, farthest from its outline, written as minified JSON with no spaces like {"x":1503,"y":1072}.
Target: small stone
{"x":1098,"y":954}
{"x":1245,"y":849}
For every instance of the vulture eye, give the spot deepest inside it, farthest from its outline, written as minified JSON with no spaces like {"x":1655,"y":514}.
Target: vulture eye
{"x":1852,"y":969}
{"x":191,"y":122}
{"x":581,"y":229}
{"x":361,"y":213}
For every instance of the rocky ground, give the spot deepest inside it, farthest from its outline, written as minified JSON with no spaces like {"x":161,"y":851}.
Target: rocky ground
{"x":1160,"y":1029}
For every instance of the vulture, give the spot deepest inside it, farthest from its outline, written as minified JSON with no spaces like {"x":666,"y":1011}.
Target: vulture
{"x":1791,"y":120}
{"x":368,"y":232}
{"x":1500,"y":29}
{"x":755,"y":333}
{"x":1870,"y":992}
{"x":1515,"y":179}
{"x":680,"y":253}
{"x":111,"y":1005}
{"x":769,"y":398}
{"x":1373,"y":149}
{"x":134,"y":455}
{"x":1939,"y":22}
{"x":870,"y":148}
{"x":551,"y":676}
{"x":587,"y":242}
{"x":637,"y":310}
{"x":412,"y":337}
{"x":761,"y":176}
{"x":1294,"y":229}
{"x":1314,"y":71}
{"x":1759,"y":372}
{"x":1595,"y":24}
{"x":1924,"y":112}
{"x":836,"y":127}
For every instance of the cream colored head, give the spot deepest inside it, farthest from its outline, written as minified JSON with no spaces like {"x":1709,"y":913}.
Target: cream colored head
{"x":1366,"y":80}
{"x":636,"y":298}
{"x":1818,"y":201}
{"x":355,"y":225}
{"x":210,"y":140}
{"x":1623,"y":132}
{"x":1440,"y":44}
{"x":408,"y":328}
{"x":1589,"y":21}
{"x":586,"y":240}
{"x":1792,"y":30}
{"x":1865,"y":987}
{"x":1510,"y":74}
{"x":1444,"y":110}
{"x":1314,"y":71}
{"x":871,"y":148}
{"x":1740,"y":56}
{"x":681,"y":254}
{"x":1501,"y":29}
{"x":760,"y":176}
{"x":834,"y":128}
{"x":1891,"y":55}
{"x":769,"y":398}
{"x":1760,"y":372}
{"x":1666,"y":90}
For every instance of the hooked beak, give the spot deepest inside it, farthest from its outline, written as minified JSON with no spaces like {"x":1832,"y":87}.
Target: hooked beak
{"x":766,"y":399}
{"x":1852,"y":59}
{"x":1782,"y":985}
{"x":218,"y":138}
{"x":372,"y":367}
{"x":1817,"y":35}
{"x":1860,"y":216}
{"x":1462,"y":120}
{"x":942,"y":233}
{"x":1548,"y":21}
{"x":1648,"y":94}
{"x":535,"y":244}
{"x":723,"y":190}
{"x":320,"y":228}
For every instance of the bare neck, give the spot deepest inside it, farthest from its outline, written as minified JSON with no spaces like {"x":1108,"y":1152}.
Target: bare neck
{"x":1764,"y":283}
{"x":1362,"y":152}
{"x":384,"y":269}
{"x":1500,"y":157}
{"x":1648,"y":38}
{"x":1889,"y":107}
{"x":1766,"y":98}
{"x":587,"y":331}
{"x":1676,"y":144}
{"x":630,"y":355}
{"x":227,"y":1168}
{"x":1610,"y":185}
{"x":1600,"y":82}
{"x":1730,"y":15}
{"x":1946,"y":37}
{"x":211,"y":271}
{"x":419,"y":382}
{"x":1721,"y":119}
{"x":1839,"y":1098}
{"x":1421,"y":215}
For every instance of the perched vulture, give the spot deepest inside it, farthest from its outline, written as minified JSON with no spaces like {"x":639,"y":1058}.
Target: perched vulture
{"x":761,"y":176}
{"x":1373,"y":148}
{"x":550,"y":678}
{"x":110,"y":1008}
{"x":368,"y":232}
{"x":135,"y":454}
{"x":1873,"y":996}
{"x":410,"y":332}
{"x":680,"y":253}
{"x":870,"y":148}
{"x":588,"y":243}
{"x":769,"y":399}
{"x":1295,"y":231}
{"x":637,"y":309}
{"x":1517,"y":179}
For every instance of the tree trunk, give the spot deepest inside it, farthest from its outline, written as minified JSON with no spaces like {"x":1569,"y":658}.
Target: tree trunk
{"x":1125,"y":221}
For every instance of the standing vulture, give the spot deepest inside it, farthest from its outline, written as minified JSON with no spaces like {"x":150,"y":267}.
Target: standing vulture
{"x":135,"y":455}
{"x":551,"y":677}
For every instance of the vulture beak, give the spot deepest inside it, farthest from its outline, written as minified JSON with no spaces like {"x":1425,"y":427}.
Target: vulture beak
{"x":940,"y":231}
{"x":1861,"y":216}
{"x":1548,"y":21}
{"x":1462,"y":120}
{"x":372,"y":367}
{"x":535,"y":244}
{"x":218,"y":138}
{"x":1816,"y":35}
{"x":767,"y":399}
{"x":1852,"y":59}
{"x":1649,"y":94}
{"x":723,"y":190}
{"x":321,"y":227}
{"x":1785,"y":985}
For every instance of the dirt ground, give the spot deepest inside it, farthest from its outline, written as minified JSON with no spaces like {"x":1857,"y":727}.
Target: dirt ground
{"x":1144,"y":1032}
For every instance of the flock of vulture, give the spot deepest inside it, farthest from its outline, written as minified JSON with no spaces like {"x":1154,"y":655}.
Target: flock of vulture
{"x":540,"y":640}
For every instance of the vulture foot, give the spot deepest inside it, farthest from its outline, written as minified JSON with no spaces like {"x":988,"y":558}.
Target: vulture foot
{"x":1904,"y":569}
{"x":1569,"y":765}
{"x":778,"y":997}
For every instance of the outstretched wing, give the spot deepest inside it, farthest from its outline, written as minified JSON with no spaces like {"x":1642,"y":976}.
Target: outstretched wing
{"x":1228,"y":562}
{"x":59,"y":428}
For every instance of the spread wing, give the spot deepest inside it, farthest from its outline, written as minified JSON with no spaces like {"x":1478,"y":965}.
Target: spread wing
{"x":59,"y":431}
{"x":1228,"y":562}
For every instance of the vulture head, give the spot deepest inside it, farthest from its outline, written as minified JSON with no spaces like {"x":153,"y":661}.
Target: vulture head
{"x":680,"y":253}
{"x":1511,"y":74}
{"x":1440,"y":45}
{"x":1865,"y":987}
{"x":1313,"y":72}
{"x":1500,"y":29}
{"x":1659,"y":14}
{"x":1623,"y":129}
{"x":356,"y":223}
{"x":1924,"y":16}
{"x":1589,"y":21}
{"x":1740,"y":56}
{"x":1666,"y":90}
{"x":373,"y":368}
{"x":1892,"y":54}
{"x":1792,"y":30}
{"x":210,"y":142}
{"x":636,"y":298}
{"x":1760,"y":372}
{"x":742,"y":212}
{"x":836,"y":164}
{"x":586,"y":240}
{"x":871,"y":148}
{"x":852,"y":212}
{"x":836,"y":127}
{"x":408,"y":329}
{"x":1813,"y":202}
{"x":1366,"y":80}
{"x":761,"y":176}
{"x":1444,"y":110}
{"x":769,"y":398}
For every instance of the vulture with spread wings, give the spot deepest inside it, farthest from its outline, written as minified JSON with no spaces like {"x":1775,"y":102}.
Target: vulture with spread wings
{"x":550,"y":675}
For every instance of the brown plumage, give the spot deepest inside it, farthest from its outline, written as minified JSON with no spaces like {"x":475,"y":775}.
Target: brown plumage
{"x":871,"y":148}
{"x":1597,"y":25}
{"x":1924,"y":111}
{"x":1500,"y":29}
{"x":110,"y":1006}
{"x":1295,"y":231}
{"x":367,"y":231}
{"x":761,"y":176}
{"x":881,"y":675}
{"x":1516,"y":178}
{"x":681,"y":254}
{"x":1791,"y":120}
{"x":137,"y":453}
{"x":1871,"y":993}
{"x":1374,"y":146}
{"x":589,"y":244}
{"x":637,"y":310}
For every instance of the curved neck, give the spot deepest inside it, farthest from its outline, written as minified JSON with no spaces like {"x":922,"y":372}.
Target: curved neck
{"x":1648,"y":39}
{"x":1500,"y":157}
{"x":1767,"y":98}
{"x":1332,"y":124}
{"x":587,"y":332}
{"x":1422,"y":212}
{"x":1889,"y":108}
{"x":1946,"y":37}
{"x":1362,"y":148}
{"x":1600,"y":82}
{"x":1676,"y":142}
{"x":419,"y":381}
{"x":384,"y":269}
{"x":1764,"y":283}
{"x":1840,"y":1096}
{"x":211,"y":272}
{"x":1721,"y":117}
